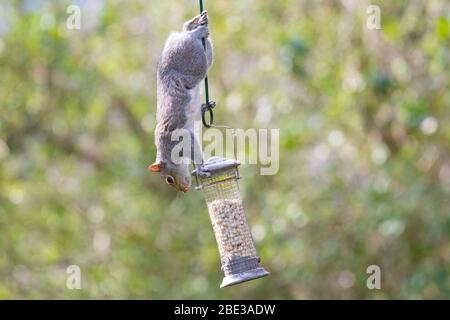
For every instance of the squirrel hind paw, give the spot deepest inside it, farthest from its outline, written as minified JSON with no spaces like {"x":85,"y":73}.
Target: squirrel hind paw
{"x":203,"y":18}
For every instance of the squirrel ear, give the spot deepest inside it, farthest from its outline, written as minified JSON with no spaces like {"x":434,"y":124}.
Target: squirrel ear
{"x":156,"y":167}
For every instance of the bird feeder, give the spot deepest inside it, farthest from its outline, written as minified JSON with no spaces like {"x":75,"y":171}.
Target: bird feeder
{"x":218,"y":180}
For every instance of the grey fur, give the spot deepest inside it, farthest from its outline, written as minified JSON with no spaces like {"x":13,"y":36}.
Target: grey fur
{"x":183,"y":65}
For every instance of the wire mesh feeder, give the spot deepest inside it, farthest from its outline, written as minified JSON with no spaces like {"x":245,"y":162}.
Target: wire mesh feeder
{"x":218,"y":180}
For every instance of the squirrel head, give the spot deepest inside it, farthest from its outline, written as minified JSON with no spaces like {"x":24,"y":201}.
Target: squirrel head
{"x":175,"y":175}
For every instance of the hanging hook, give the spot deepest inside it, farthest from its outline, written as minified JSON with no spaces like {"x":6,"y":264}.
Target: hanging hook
{"x":208,"y":107}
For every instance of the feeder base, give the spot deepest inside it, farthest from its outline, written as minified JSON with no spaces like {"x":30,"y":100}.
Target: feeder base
{"x":244,"y":276}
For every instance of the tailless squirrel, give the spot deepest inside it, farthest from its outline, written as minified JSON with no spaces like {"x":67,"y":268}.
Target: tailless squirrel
{"x":183,"y":65}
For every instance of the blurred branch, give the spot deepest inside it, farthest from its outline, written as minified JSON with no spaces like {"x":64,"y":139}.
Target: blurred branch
{"x":69,"y":145}
{"x":132,"y":121}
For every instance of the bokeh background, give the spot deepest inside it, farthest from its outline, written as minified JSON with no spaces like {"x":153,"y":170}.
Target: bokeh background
{"x":364,"y":149}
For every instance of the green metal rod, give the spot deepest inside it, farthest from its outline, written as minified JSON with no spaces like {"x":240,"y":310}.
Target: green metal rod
{"x":204,"y":46}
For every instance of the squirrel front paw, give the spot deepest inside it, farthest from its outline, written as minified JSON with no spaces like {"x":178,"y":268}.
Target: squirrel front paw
{"x":201,"y":171}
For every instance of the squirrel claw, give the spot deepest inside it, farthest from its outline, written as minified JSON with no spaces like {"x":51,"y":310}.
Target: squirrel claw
{"x":203,"y":18}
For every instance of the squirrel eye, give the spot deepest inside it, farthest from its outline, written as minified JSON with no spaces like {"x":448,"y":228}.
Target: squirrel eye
{"x":170,"y":180}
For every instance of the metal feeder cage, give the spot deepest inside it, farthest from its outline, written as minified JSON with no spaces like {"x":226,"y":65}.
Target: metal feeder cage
{"x":218,"y":180}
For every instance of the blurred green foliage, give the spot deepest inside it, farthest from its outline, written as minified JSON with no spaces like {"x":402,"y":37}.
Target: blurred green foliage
{"x":364,"y":162}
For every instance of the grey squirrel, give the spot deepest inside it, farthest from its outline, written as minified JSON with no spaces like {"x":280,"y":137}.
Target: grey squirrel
{"x":183,"y":65}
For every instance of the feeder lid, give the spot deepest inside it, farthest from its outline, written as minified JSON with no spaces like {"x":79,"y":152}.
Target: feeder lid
{"x":215,"y":164}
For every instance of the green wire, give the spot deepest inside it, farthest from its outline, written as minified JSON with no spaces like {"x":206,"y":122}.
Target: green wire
{"x":204,"y":46}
